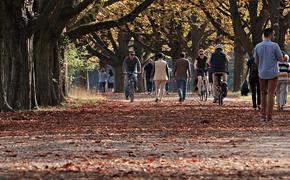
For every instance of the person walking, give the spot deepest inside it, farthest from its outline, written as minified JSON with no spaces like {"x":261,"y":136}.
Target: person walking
{"x":102,"y":80}
{"x":148,"y":72}
{"x":160,"y":76}
{"x":267,"y":54}
{"x":219,"y":66}
{"x":111,"y":80}
{"x":252,"y":70}
{"x":282,"y":87}
{"x":182,"y":73}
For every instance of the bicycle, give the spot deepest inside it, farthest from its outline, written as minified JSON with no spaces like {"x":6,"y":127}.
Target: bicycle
{"x":204,"y":88}
{"x":131,"y":86}
{"x":220,"y":89}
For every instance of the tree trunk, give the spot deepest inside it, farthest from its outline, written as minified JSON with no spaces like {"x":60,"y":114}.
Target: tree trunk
{"x":14,"y":55}
{"x":47,"y":70}
{"x":119,"y":79}
{"x":238,"y":65}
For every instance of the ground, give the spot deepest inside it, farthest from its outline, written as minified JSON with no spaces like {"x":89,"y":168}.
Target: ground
{"x":117,"y":139}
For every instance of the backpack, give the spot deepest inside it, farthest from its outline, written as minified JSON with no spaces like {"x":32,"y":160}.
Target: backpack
{"x":245,"y":89}
{"x":254,"y":73}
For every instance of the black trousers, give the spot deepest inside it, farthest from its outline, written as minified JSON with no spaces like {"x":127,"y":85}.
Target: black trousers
{"x":149,"y":84}
{"x":256,"y":94}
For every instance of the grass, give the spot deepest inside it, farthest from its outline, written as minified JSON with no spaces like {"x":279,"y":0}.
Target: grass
{"x":76,"y":98}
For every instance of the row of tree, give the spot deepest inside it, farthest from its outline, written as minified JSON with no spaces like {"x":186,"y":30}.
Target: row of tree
{"x":34,"y":34}
{"x":174,"y":26}
{"x":31,"y":58}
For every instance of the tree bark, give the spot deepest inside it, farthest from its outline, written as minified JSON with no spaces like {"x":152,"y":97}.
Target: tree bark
{"x":14,"y":54}
{"x":119,"y":78}
{"x":239,"y":54}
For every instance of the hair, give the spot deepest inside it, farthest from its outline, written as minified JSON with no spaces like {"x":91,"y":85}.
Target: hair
{"x":201,"y":50}
{"x":160,"y":56}
{"x":131,"y":52}
{"x":268,"y":32}
{"x":182,"y":55}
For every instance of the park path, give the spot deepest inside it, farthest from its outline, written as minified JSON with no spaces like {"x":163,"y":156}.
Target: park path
{"x":144,"y":139}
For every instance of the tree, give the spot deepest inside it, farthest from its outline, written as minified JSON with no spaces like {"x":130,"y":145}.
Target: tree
{"x":31,"y":51}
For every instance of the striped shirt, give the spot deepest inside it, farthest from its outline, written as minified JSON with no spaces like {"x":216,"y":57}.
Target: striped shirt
{"x":283,"y":71}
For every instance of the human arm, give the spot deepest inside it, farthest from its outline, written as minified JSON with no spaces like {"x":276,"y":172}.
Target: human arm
{"x":189,"y":69}
{"x":278,"y":53}
{"x":167,"y":71}
{"x":138,"y":65}
{"x":124,"y":67}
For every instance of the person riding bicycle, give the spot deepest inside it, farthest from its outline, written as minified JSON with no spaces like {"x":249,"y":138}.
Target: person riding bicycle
{"x":131,"y":67}
{"x":219,"y":66}
{"x":201,"y":66}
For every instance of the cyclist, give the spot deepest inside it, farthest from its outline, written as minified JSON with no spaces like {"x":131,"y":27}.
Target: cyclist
{"x":219,"y":65}
{"x":131,"y":65}
{"x":201,"y":65}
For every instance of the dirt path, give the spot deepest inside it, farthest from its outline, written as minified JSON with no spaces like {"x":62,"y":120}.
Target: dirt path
{"x":145,"y":140}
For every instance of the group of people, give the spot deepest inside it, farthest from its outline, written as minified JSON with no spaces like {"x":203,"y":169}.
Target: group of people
{"x":269,"y":74}
{"x":106,"y":80}
{"x":160,"y":73}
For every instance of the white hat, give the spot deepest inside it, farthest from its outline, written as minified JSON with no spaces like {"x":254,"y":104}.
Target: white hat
{"x":219,"y":46}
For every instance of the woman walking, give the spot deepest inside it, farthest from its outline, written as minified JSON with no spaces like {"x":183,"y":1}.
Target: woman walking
{"x":160,"y":76}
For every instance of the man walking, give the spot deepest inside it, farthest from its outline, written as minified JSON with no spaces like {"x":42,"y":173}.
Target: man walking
{"x":148,"y":71}
{"x":182,"y":72}
{"x":267,"y":54}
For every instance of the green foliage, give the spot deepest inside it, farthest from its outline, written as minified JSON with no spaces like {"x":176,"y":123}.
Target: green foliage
{"x":77,"y":60}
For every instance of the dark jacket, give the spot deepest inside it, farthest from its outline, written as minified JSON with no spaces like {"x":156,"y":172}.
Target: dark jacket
{"x":182,"y":69}
{"x":219,"y":62}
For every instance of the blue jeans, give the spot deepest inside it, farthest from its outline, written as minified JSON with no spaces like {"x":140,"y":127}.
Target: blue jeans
{"x":181,"y":85}
{"x":126,"y":83}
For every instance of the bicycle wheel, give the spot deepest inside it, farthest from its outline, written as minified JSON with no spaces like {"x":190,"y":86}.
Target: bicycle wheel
{"x":131,"y":91}
{"x":205,"y":90}
{"x":220,"y":98}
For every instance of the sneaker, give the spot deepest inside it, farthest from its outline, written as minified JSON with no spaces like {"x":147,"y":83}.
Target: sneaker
{"x":259,"y":107}
{"x":263,"y":119}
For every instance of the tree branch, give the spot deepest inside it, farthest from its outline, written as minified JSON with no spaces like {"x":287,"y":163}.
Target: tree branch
{"x":93,"y":27}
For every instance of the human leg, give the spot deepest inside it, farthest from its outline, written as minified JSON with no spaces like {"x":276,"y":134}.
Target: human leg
{"x":178,"y":88}
{"x":264,"y":92}
{"x":272,"y":85}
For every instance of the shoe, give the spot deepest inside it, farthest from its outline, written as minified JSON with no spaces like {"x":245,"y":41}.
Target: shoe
{"x":255,"y":109}
{"x":269,"y":119}
{"x":279,"y":108}
{"x":127,"y":97}
{"x":259,"y":107}
{"x":180,"y":100}
{"x":215,"y":100}
{"x":156,"y":100}
{"x":263,"y":119}
{"x":282,"y":108}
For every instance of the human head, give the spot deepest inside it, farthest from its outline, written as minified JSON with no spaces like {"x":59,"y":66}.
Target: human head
{"x":219,"y":47}
{"x":182,"y":55}
{"x":201,"y":53}
{"x":269,"y":33}
{"x":132,"y":54}
{"x":160,"y":56}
